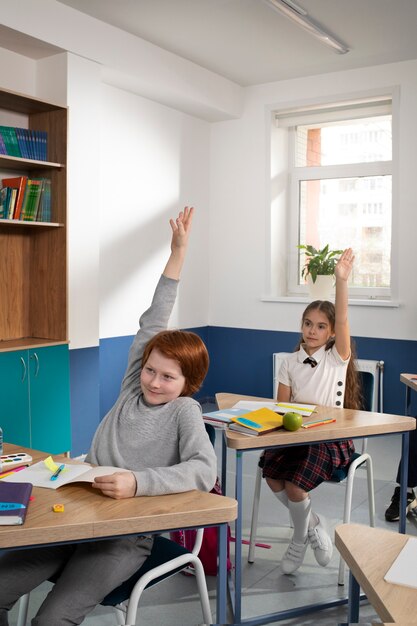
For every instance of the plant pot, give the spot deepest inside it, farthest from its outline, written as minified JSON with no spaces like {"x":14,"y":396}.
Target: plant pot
{"x":322,"y":289}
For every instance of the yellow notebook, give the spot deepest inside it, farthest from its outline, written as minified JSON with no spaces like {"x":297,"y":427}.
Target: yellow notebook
{"x":256,"y":422}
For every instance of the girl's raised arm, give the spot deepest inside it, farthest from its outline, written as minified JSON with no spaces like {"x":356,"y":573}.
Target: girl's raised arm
{"x":342,"y":332}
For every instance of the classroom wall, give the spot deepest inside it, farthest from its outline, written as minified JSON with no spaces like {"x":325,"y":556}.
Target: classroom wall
{"x":240,"y":205}
{"x":132,"y":162}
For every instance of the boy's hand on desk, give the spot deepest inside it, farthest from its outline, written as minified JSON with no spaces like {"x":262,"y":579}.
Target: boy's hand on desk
{"x":118,"y":485}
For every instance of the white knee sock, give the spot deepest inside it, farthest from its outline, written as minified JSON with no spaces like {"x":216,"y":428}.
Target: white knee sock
{"x":300,"y":513}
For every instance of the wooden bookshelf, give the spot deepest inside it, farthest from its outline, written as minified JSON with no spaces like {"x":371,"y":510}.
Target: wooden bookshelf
{"x":33,"y":255}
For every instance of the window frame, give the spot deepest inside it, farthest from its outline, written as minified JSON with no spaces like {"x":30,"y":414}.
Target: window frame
{"x":288,"y":119}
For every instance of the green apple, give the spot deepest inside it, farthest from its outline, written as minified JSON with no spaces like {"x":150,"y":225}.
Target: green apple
{"x":292,"y":421}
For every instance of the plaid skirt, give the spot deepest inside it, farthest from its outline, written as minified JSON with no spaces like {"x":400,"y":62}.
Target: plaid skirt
{"x":306,"y":466}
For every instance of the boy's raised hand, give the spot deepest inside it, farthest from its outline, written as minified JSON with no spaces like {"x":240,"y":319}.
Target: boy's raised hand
{"x":344,"y":265}
{"x":181,"y":228}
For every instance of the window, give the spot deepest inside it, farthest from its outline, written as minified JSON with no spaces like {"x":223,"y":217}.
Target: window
{"x":339,"y":168}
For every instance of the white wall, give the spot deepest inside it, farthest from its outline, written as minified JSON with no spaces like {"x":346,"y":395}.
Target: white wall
{"x":154,"y":161}
{"x":239,"y":206}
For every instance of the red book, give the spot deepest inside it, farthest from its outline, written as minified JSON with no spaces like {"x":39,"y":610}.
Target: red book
{"x":18,"y":183}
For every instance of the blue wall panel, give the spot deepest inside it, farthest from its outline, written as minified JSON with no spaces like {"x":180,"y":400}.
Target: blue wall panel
{"x":85,"y":385}
{"x":240,"y":362}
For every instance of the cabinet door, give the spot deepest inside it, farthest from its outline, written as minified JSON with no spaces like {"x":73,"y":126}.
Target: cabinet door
{"x":50,"y":399}
{"x":14,"y":397}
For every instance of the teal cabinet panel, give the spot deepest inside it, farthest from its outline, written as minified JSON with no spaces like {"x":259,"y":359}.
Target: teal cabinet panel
{"x":50,"y":399}
{"x":14,"y":398}
{"x":35,"y":398}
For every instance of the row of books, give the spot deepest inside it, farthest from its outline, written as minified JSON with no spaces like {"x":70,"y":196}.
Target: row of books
{"x":255,"y":418}
{"x":24,"y":143}
{"x":26,"y":199}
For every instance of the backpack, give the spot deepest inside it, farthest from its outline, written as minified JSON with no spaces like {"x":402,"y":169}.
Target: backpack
{"x":208,"y":551}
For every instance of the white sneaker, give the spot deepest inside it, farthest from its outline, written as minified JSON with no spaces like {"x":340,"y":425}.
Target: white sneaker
{"x":321,"y":543}
{"x":294,"y":556}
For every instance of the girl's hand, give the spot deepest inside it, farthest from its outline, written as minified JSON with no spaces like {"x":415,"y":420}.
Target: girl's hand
{"x":181,"y":228}
{"x":344,"y":265}
{"x":118,"y":485}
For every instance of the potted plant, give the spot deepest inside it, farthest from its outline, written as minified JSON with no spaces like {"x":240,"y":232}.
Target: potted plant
{"x":319,"y":270}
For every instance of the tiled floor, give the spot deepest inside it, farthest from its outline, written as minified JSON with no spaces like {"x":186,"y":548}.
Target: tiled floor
{"x":266,"y":589}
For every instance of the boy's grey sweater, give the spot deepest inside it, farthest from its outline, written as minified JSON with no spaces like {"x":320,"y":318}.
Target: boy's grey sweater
{"x":166,"y":446}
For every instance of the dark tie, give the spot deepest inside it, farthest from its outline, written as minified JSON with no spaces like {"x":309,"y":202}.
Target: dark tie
{"x":310,"y":361}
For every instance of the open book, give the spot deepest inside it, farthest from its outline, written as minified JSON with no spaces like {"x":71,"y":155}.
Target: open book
{"x":40,"y":476}
{"x":278,"y":407}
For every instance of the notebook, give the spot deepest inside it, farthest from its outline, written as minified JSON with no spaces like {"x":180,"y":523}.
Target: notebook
{"x":404,"y":570}
{"x":14,"y":500}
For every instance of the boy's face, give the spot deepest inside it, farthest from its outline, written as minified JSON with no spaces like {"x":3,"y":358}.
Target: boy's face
{"x":161,"y":379}
{"x":316,"y":330}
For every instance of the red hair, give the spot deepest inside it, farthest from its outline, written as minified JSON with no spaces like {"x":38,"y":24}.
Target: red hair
{"x":188,"y":349}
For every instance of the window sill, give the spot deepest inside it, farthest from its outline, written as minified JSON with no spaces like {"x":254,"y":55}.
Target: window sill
{"x":375,"y":302}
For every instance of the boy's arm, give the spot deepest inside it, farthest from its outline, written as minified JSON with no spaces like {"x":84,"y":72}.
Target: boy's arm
{"x":342,"y":331}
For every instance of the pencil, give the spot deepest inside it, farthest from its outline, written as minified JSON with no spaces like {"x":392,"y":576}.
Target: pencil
{"x":318,"y":423}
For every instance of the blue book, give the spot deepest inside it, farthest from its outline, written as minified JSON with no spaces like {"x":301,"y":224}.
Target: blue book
{"x":223,"y":415}
{"x":14,"y":501}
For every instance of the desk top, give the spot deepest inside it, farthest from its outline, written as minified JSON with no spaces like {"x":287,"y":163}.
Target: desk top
{"x":89,"y":514}
{"x":349,"y":424}
{"x":369,"y":553}
{"x":410,"y":380}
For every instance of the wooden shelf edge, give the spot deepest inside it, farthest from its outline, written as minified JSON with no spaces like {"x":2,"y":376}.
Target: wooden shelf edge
{"x":29,"y":223}
{"x":21,"y":163}
{"x":29,"y":342}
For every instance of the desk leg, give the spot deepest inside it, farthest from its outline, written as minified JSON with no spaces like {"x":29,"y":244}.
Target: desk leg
{"x":238,"y":542}
{"x":404,"y":480}
{"x":407,"y":400}
{"x":224,"y":464}
{"x":222,"y":576}
{"x":353,"y":605}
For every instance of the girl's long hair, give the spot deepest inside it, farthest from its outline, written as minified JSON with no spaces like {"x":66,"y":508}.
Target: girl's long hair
{"x":353,"y":388}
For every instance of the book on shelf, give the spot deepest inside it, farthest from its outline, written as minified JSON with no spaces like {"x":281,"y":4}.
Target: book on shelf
{"x":24,"y":142}
{"x":10,"y":141}
{"x":258,"y":422}
{"x":2,"y":145}
{"x":18,"y":183}
{"x":31,"y":200}
{"x":14,"y":501}
{"x":39,"y":475}
{"x":279,"y":407}
{"x":44,"y":208}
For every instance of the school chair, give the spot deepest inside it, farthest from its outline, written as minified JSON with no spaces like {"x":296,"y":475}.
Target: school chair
{"x":371,"y":373}
{"x":166,"y":559}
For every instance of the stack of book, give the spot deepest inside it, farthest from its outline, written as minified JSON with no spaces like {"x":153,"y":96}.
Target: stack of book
{"x":257,"y":422}
{"x":24,"y":143}
{"x":27,"y":199}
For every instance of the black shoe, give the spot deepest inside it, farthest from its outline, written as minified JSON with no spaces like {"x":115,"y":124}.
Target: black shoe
{"x":392,"y":514}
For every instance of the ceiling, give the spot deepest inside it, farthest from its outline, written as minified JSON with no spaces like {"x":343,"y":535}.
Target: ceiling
{"x":248,"y":42}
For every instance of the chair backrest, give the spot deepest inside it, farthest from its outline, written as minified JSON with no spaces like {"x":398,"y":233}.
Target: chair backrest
{"x":277,"y":359}
{"x":371,"y":373}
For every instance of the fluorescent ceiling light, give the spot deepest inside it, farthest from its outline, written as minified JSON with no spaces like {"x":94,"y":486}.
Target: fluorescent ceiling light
{"x":298,"y":15}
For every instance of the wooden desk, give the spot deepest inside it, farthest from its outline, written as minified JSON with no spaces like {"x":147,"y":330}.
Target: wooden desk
{"x":349,"y":424}
{"x":90,"y":515}
{"x":410,"y":382}
{"x":369,"y":553}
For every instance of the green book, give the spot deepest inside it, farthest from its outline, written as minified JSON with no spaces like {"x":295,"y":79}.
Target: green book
{"x":31,"y":199}
{"x":10,"y":140}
